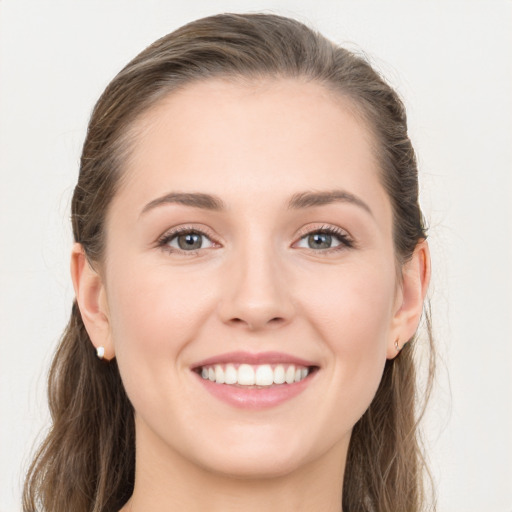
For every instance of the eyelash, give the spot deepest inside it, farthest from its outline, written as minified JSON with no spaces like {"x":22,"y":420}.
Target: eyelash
{"x":346,"y":242}
{"x":166,"y":238}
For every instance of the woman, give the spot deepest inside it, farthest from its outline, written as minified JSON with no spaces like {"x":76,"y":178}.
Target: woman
{"x":249,"y":267}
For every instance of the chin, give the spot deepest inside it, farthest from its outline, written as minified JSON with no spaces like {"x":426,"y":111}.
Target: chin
{"x":267,"y":453}
{"x":255,"y":465}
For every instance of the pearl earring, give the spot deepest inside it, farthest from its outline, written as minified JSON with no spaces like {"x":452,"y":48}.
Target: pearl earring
{"x":100,"y":352}
{"x":397,"y":346}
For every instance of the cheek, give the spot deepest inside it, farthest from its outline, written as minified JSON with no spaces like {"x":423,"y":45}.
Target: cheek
{"x":353,"y":315}
{"x":354,"y":308}
{"x":154,"y":313}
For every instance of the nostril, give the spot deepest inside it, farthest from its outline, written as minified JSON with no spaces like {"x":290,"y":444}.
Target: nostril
{"x":254,"y":325}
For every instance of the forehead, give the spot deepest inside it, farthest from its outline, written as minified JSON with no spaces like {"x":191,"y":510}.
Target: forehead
{"x":269,"y":138}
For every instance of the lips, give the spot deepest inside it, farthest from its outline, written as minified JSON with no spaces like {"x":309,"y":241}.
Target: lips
{"x":254,"y":359}
{"x":253,"y":380}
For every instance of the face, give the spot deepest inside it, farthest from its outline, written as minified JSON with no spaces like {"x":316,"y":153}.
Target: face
{"x":250,"y":280}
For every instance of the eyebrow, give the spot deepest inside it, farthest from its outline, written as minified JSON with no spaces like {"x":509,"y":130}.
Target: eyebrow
{"x":297,"y":201}
{"x":194,"y":199}
{"x":310,"y":199}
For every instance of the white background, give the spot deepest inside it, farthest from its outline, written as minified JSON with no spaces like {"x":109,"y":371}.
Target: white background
{"x":452,"y":63}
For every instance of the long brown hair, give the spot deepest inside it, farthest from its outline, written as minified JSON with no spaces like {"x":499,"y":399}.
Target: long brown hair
{"x":87,"y":461}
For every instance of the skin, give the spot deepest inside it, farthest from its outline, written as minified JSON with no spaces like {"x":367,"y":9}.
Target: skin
{"x":256,"y":285}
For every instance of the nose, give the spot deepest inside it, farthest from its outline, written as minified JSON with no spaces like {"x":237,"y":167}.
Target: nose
{"x":257,"y":294}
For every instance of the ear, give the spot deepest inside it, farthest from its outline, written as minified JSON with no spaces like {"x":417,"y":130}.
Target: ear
{"x":92,"y":300}
{"x":409,"y":305}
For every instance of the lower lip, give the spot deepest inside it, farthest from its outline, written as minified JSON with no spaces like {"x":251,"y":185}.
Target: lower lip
{"x":256,"y":398}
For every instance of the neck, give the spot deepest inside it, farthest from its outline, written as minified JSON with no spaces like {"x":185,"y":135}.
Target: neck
{"x":167,"y":482}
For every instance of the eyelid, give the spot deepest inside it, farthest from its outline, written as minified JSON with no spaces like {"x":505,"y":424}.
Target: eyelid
{"x":321,"y":226}
{"x":182,"y":229}
{"x":347,"y":241}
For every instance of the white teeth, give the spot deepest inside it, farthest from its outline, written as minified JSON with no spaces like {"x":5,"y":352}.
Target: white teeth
{"x":279,"y":374}
{"x":264,"y":375}
{"x":219,"y":374}
{"x":246,"y":375}
{"x":259,"y":375}
{"x":230,"y":375}
{"x":290,"y":375}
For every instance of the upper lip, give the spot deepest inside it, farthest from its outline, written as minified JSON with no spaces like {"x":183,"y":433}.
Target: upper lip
{"x":252,"y":358}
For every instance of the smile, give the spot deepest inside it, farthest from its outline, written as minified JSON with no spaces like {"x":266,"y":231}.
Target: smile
{"x":254,"y":375}
{"x":255,"y":381}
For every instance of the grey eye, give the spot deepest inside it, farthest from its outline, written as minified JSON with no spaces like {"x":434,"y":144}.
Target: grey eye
{"x":191,"y":241}
{"x":319,"y":241}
